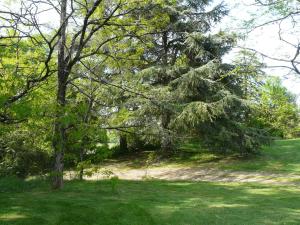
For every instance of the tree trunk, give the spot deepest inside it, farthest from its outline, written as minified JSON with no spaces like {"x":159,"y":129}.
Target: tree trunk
{"x":59,"y":141}
{"x":166,"y":139}
{"x":123,"y":143}
{"x":85,"y":138}
{"x":81,"y":169}
{"x":167,"y":146}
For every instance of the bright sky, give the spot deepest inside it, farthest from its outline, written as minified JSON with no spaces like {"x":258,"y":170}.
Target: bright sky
{"x":265,"y":39}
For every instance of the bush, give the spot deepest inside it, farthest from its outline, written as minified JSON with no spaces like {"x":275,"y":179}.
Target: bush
{"x":19,"y":158}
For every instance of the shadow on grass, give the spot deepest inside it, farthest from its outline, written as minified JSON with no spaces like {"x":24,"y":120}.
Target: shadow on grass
{"x":152,"y":202}
{"x":282,"y":156}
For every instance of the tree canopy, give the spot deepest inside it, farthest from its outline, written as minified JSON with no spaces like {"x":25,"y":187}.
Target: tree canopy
{"x":150,"y":72}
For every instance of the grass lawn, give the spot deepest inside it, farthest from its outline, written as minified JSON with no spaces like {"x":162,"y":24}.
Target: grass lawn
{"x":153,"y":202}
{"x":283,"y":156}
{"x":147,"y":202}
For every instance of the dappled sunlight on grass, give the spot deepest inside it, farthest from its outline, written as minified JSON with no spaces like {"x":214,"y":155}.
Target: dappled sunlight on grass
{"x":283,"y":156}
{"x":262,"y":191}
{"x":223,"y":205}
{"x":11,"y":216}
{"x":152,"y":202}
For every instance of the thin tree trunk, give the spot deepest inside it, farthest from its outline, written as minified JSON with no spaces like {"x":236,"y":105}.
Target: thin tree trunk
{"x":81,"y":169}
{"x":123,"y":143}
{"x":85,"y":138}
{"x":59,"y":140}
{"x":60,"y":137}
{"x":167,"y":146}
{"x":166,"y":139}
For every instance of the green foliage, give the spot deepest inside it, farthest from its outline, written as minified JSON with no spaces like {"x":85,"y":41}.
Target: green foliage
{"x":21,"y":60}
{"x":157,"y":78}
{"x":277,"y":109}
{"x":21,"y":156}
{"x":191,"y":92}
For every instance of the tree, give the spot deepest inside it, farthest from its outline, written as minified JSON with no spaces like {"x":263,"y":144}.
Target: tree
{"x":151,"y":69}
{"x":165,"y":54}
{"x":277,"y":109}
{"x":73,"y":40}
{"x":192,"y":93}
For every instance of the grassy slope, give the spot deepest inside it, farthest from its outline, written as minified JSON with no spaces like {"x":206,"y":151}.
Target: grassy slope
{"x":150,"y":202}
{"x":283,"y":156}
{"x":158,"y":202}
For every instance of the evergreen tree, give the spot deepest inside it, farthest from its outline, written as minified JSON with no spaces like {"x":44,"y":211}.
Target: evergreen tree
{"x":191,"y":91}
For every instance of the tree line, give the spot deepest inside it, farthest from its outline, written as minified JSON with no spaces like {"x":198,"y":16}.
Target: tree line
{"x":149,"y":72}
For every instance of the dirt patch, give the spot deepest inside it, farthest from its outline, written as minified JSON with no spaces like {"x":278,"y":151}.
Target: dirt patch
{"x":193,"y":174}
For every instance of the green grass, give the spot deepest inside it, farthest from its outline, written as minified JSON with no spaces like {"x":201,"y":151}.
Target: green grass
{"x":163,"y":202}
{"x":282,"y":156}
{"x":148,"y":202}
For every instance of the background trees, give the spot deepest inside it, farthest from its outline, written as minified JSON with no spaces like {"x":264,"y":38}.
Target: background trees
{"x":278,"y":109}
{"x":150,"y":71}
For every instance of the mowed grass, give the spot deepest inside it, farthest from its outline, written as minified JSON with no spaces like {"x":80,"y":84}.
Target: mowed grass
{"x":148,"y":202}
{"x":119,"y":202}
{"x":282,"y":156}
